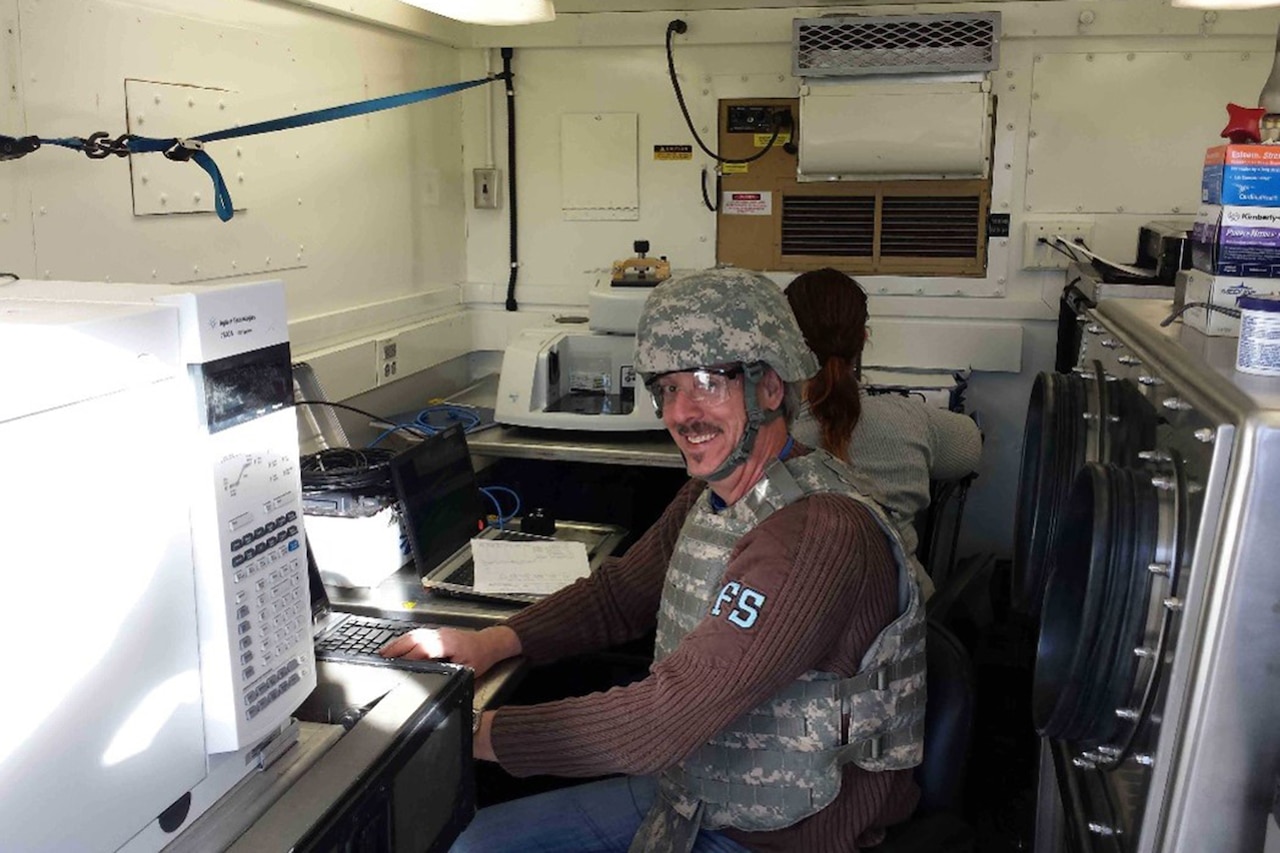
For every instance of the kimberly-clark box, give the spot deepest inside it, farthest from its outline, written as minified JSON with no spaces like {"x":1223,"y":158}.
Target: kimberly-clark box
{"x":1242,"y":175}
{"x":1217,"y":291}
{"x":1232,"y":240}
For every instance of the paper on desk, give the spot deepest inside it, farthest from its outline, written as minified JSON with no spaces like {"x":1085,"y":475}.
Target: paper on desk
{"x":539,"y":568}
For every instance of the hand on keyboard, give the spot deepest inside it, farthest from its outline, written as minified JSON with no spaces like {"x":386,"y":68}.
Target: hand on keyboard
{"x":479,"y":650}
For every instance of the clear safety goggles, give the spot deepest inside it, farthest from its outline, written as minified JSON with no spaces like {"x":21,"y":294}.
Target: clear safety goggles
{"x":706,"y":386}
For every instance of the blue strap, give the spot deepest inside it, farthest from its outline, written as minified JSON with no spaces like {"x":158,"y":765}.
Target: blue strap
{"x":181,"y":149}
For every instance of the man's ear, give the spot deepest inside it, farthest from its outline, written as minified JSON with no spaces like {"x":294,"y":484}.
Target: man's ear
{"x":771,"y":390}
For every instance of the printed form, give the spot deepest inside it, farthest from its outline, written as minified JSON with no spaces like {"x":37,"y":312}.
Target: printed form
{"x":537,"y":568}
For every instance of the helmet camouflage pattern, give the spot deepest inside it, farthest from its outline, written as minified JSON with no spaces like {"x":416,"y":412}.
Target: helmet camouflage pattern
{"x":720,"y":316}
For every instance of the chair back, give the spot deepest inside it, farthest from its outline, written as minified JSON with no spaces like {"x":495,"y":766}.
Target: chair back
{"x":948,"y":724}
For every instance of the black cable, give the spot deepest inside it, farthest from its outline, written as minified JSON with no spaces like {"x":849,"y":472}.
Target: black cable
{"x":415,"y":431}
{"x":705,"y":200}
{"x":679,"y":26}
{"x":507,"y":54}
{"x":1178,"y":312}
{"x":10,"y":275}
{"x":347,"y":469}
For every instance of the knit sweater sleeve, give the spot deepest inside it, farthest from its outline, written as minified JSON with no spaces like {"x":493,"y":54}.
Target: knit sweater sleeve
{"x":808,"y":565}
{"x":956,"y":444}
{"x":616,"y":603}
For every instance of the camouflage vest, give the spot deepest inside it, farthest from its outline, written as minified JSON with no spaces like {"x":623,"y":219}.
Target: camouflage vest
{"x":780,"y":762}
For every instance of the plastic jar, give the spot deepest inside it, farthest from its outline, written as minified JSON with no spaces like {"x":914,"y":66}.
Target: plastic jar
{"x":1259,"y":349}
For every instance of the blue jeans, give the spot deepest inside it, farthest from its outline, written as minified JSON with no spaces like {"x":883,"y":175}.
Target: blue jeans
{"x":598,"y":817}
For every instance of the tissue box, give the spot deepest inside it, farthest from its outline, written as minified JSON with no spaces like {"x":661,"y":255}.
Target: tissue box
{"x":357,"y":551}
{"x":1241,"y":174}
{"x":1234,"y":240}
{"x":1219,"y":290}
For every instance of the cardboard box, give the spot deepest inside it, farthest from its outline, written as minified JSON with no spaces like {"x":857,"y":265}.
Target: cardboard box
{"x":1241,"y":175}
{"x":1234,"y":240}
{"x":1220,"y":291}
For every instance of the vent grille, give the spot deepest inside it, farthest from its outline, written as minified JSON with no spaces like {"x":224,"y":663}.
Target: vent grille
{"x":914,"y":227}
{"x":838,"y":226}
{"x":896,"y":44}
{"x":930,"y":227}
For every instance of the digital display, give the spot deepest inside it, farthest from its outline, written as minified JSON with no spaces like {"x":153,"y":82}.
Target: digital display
{"x":241,"y":387}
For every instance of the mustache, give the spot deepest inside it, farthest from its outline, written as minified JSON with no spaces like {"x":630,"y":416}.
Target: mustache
{"x":696,"y":428}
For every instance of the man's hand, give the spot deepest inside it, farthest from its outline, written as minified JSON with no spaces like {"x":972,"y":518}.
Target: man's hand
{"x":479,"y":650}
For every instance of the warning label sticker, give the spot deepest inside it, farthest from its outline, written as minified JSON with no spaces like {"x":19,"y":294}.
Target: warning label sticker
{"x":673,"y":152}
{"x":747,"y":203}
{"x":734,"y":168}
{"x":762,"y":139}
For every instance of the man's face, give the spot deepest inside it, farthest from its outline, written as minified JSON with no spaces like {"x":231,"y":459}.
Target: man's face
{"x":705,"y":413}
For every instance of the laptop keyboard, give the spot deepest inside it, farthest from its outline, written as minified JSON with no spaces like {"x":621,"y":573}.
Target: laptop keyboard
{"x":361,"y":636}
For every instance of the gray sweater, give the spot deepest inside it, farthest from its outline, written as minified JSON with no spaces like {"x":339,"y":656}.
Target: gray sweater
{"x":898,"y":446}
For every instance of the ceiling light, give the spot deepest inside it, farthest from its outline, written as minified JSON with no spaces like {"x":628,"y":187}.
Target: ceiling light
{"x":492,"y":11}
{"x":1224,"y":4}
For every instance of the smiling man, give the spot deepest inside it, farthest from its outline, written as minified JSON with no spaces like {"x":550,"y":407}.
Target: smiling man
{"x":785,"y":703}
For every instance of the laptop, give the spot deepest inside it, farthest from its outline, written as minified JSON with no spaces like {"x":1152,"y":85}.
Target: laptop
{"x":353,"y":638}
{"x":442,"y":510}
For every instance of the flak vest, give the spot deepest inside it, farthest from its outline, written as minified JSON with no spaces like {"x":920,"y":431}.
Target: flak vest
{"x":781,"y":761}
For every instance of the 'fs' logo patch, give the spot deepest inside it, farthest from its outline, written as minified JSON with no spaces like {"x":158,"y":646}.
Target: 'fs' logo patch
{"x":744,"y":601}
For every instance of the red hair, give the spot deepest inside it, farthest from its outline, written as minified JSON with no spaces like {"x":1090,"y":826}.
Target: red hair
{"x":831,"y":309}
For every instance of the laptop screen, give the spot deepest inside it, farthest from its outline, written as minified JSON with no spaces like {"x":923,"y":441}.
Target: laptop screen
{"x":319,"y":597}
{"x":440,"y":501}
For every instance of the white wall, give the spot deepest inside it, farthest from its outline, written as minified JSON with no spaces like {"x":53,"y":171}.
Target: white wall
{"x":363,"y":218}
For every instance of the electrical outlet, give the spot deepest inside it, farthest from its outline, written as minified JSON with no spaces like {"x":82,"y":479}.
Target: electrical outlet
{"x":486,"y":187}
{"x":385,"y":361}
{"x":1038,"y":253}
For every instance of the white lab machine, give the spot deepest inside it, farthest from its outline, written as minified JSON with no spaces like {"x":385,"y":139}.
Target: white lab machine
{"x":203,"y":569}
{"x":570,"y":377}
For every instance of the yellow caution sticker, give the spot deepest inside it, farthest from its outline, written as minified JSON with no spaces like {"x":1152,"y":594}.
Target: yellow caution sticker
{"x":734,"y":168}
{"x":673,"y":152}
{"x":762,"y":139}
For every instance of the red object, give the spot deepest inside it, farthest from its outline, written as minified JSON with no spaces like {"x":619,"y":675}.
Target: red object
{"x":1244,"y":124}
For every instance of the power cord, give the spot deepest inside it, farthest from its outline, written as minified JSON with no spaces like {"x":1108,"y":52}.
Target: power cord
{"x":781,"y":118}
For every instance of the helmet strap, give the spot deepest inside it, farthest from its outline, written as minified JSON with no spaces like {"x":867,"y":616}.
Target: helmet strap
{"x":756,"y":418}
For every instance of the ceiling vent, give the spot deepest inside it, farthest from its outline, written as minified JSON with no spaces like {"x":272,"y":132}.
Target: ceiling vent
{"x":848,"y":46}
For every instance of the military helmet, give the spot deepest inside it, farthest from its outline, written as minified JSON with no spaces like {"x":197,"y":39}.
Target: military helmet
{"x":720,"y":316}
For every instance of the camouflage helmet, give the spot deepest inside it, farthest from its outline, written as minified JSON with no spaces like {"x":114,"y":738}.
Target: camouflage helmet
{"x":720,"y":316}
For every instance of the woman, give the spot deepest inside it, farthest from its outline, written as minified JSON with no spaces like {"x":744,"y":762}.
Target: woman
{"x":894,"y":445}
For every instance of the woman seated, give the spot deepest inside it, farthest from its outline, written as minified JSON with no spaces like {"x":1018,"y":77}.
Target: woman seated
{"x":895,"y":445}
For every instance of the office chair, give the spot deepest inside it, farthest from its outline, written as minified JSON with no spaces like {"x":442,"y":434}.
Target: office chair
{"x":937,"y":825}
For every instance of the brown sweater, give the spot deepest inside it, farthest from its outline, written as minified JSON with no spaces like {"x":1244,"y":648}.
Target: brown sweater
{"x":830,"y":586}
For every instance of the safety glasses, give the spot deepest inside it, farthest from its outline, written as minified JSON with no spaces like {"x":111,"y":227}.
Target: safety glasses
{"x":708,"y":386}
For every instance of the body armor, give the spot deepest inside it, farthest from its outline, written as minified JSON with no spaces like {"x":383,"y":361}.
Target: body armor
{"x":781,"y":761}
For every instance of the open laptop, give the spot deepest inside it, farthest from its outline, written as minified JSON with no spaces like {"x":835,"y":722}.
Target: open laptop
{"x":353,"y":638}
{"x":442,"y":510}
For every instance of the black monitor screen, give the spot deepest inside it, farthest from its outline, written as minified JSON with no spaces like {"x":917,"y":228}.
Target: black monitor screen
{"x":440,"y":500}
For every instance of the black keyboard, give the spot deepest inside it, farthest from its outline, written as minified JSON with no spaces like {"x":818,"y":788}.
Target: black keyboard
{"x":361,"y":636}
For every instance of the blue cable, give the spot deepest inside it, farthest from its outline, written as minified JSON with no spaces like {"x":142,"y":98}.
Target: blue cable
{"x":400,"y":428}
{"x":502,"y":519}
{"x":466,"y":415}
{"x":175,"y":148}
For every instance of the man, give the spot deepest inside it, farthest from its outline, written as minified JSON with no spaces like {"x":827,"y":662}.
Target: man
{"x":785,"y":703}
